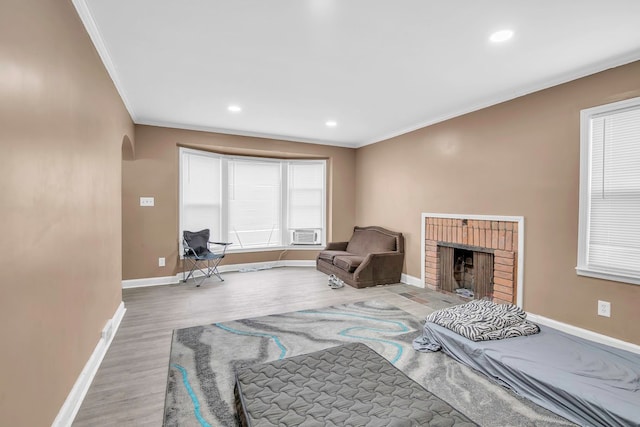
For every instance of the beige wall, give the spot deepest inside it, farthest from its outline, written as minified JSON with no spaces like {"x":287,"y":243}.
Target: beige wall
{"x":517,"y":158}
{"x":62,"y":124}
{"x":150,"y":233}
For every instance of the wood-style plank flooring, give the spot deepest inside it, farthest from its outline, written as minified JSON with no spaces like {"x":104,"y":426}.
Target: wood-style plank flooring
{"x":129,"y":387}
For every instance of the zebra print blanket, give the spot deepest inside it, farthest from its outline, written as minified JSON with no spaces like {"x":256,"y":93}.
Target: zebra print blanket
{"x":481,"y":320}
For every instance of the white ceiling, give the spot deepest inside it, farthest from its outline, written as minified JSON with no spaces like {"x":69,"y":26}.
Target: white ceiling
{"x":378,"y":68}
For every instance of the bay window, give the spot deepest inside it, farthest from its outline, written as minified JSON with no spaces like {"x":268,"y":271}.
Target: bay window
{"x":255,"y":203}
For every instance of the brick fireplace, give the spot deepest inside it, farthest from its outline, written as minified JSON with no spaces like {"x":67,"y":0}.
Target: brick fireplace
{"x":476,"y":256}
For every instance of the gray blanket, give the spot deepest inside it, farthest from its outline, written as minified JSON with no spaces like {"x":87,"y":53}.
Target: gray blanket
{"x":588,"y":383}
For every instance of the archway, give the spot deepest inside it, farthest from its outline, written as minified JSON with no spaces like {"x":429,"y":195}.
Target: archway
{"x":128,"y":151}
{"x":128,"y":156}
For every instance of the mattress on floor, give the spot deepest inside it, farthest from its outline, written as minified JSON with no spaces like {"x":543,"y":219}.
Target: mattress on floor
{"x":348,"y":385}
{"x":586,"y":382}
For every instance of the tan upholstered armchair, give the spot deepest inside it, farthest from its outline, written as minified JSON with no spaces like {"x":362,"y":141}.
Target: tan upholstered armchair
{"x":373,"y":256}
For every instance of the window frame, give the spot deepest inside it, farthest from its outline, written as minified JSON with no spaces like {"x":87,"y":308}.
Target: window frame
{"x":586,"y":162}
{"x":284,"y":196}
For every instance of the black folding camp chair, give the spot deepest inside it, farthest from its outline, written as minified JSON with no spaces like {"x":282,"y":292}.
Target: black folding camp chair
{"x":198,"y":255}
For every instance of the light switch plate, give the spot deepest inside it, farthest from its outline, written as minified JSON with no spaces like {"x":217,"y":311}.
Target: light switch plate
{"x":147,"y":201}
{"x":161,"y":262}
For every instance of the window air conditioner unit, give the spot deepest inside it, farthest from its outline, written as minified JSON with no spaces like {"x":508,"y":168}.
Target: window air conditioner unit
{"x":305,"y":237}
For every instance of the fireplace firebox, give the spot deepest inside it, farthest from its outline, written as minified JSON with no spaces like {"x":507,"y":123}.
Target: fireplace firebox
{"x":466,"y":271}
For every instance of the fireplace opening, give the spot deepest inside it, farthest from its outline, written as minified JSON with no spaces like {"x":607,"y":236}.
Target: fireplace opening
{"x":463,"y":272}
{"x":466,"y":272}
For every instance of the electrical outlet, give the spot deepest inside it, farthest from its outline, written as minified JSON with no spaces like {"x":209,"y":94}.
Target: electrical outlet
{"x":147,"y":201}
{"x":161,"y":262}
{"x":604,"y":308}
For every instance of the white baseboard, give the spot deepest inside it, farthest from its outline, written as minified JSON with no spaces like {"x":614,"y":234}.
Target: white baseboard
{"x":564,"y":327}
{"x":411,"y":280}
{"x":72,"y":404}
{"x":584,"y":333}
{"x":265,"y":265}
{"x":151,"y":281}
{"x":250,"y":266}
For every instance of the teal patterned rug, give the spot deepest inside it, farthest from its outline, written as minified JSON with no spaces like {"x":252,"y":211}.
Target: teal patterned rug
{"x":203,"y":359}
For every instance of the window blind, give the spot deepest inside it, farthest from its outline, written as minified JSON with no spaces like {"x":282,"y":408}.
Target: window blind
{"x":254,"y":203}
{"x":614,"y":209}
{"x":200,"y":193}
{"x":306,"y":192}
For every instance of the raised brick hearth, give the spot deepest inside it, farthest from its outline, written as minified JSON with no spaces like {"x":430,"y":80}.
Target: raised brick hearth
{"x":499,"y":237}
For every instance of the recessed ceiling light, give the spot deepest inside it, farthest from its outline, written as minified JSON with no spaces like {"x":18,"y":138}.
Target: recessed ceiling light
{"x":501,"y":36}
{"x":331,"y":123}
{"x":234,"y":108}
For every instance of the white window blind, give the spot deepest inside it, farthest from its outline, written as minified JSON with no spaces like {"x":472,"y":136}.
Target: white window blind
{"x":200,"y":193}
{"x":306,"y":195}
{"x":609,"y":244}
{"x":254,"y":203}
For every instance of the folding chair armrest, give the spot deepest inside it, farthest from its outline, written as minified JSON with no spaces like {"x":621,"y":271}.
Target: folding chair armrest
{"x":189,"y":251}
{"x":224,"y":247}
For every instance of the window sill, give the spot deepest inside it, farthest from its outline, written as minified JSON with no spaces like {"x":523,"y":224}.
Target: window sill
{"x":230,"y":249}
{"x":271,"y":249}
{"x":608,"y":275}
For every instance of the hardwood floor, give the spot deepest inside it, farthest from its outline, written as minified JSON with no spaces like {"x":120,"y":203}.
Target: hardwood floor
{"x":129,"y":387}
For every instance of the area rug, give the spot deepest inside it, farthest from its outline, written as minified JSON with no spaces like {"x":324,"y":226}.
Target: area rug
{"x":203,"y":360}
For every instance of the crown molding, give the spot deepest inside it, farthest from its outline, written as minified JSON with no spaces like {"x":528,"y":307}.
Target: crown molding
{"x":490,"y":101}
{"x":84,"y":12}
{"x":199,"y":128}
